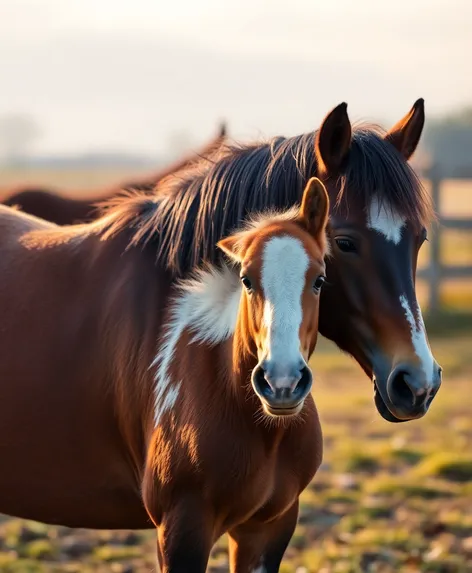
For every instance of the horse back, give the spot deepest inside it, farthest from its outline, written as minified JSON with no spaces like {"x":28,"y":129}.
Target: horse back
{"x":69,"y":342}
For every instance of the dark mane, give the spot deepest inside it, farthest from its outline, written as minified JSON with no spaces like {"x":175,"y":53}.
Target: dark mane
{"x":192,"y":211}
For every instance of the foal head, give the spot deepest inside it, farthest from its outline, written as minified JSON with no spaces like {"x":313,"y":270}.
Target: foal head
{"x":281,"y":260}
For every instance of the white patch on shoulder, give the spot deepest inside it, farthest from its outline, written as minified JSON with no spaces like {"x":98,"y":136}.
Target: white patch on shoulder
{"x":260,"y":569}
{"x":385,"y":221}
{"x":419,"y":340}
{"x":208,"y":305}
{"x":284,"y":266}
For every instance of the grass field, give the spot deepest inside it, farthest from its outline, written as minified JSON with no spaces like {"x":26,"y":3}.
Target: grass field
{"x":388,"y":498}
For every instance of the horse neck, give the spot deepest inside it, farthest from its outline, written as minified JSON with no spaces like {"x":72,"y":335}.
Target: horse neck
{"x":131,"y":317}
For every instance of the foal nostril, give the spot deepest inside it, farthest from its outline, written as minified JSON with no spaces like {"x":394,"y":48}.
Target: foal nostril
{"x":260,"y":382}
{"x":303,"y":386}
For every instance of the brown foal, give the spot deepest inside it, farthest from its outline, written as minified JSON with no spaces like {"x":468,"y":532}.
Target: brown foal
{"x":236,"y":436}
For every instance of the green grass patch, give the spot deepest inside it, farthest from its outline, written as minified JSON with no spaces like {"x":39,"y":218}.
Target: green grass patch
{"x":408,"y":456}
{"x":12,"y":564}
{"x":402,"y":487}
{"x":452,"y":466}
{"x":42,"y":549}
{"x":116,"y":553}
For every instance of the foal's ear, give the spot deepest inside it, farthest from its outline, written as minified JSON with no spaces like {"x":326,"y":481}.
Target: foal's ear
{"x":405,"y":135}
{"x":232,"y":246}
{"x":333,"y":141}
{"x":314,"y":211}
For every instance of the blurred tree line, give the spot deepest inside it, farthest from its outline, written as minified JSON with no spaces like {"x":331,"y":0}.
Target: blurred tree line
{"x":448,"y":142}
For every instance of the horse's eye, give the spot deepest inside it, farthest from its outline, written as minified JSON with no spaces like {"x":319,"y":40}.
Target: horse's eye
{"x":318,"y":283}
{"x":246,"y":282}
{"x":346,"y":245}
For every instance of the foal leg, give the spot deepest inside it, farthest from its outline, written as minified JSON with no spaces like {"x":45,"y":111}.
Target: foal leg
{"x":260,"y":547}
{"x":185,"y":538}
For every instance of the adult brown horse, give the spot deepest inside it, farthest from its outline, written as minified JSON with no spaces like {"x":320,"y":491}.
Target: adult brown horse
{"x":379,"y":216}
{"x":57,"y":208}
{"x":217,"y":459}
{"x":83,"y":309}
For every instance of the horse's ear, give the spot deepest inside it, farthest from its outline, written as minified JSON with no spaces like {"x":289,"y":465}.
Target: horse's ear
{"x":405,"y":135}
{"x":232,"y":246}
{"x":314,"y":210}
{"x":333,"y":141}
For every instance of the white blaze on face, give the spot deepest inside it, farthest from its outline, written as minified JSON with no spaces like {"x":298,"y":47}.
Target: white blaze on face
{"x":284,"y":266}
{"x":419,"y":340}
{"x":386,"y":222}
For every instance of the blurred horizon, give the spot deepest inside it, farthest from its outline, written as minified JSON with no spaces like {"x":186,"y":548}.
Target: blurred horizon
{"x":146,"y":77}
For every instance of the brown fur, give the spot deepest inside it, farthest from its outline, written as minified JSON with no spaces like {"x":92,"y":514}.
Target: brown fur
{"x":79,"y":446}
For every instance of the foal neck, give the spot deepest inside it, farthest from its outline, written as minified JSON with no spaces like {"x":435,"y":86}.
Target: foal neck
{"x":205,"y":321}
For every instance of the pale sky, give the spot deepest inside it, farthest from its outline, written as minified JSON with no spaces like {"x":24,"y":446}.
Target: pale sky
{"x":105,"y":73}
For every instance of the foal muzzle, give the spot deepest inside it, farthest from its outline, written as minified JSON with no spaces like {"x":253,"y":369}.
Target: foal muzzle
{"x":282,"y":395}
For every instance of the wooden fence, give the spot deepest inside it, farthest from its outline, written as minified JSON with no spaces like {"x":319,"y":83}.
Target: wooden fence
{"x":436,"y":271}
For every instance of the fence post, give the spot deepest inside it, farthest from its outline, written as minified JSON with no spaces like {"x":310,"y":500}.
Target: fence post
{"x":435,"y":242}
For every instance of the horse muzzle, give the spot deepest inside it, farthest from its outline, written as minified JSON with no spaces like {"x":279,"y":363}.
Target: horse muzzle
{"x":407,"y":393}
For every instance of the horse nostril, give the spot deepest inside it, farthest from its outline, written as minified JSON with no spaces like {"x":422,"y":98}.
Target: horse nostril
{"x":400,"y":390}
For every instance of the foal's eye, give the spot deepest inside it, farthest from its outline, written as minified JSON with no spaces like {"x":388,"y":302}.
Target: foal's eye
{"x":346,"y":245}
{"x":318,"y":283}
{"x":246,"y":282}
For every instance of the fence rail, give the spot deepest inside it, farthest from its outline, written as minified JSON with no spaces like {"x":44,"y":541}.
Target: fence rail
{"x":436,"y":270}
